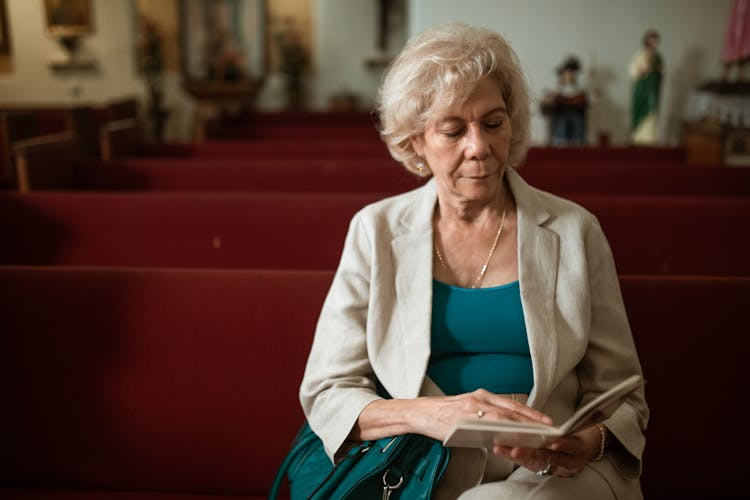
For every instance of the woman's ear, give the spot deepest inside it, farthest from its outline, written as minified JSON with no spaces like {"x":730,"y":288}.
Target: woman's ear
{"x":417,"y":142}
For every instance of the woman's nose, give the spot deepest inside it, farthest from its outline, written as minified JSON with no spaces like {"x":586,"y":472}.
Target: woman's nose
{"x":477,"y":145}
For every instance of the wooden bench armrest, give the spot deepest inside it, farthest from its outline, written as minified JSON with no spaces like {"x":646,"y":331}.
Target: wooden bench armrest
{"x":120,"y":138}
{"x":45,"y":161}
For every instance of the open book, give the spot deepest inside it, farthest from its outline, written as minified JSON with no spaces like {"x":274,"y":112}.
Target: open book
{"x":481,"y":433}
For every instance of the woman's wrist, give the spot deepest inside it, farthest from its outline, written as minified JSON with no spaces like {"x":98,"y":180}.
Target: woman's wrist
{"x":382,"y":418}
{"x":603,"y":433}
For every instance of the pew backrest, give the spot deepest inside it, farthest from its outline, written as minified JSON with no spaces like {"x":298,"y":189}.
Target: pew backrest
{"x":648,"y":235}
{"x":152,"y":380}
{"x":46,"y":162}
{"x":186,"y":380}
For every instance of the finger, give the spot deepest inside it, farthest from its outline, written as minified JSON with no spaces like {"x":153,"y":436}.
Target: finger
{"x":531,"y":458}
{"x":537,"y":460}
{"x":562,"y":464}
{"x":567,"y":464}
{"x":523,"y":412}
{"x":570,"y":446}
{"x":503,"y":451}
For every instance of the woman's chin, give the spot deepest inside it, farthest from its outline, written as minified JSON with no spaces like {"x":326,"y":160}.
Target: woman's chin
{"x":478,"y":191}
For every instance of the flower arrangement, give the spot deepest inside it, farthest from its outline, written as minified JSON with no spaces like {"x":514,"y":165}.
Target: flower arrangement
{"x":293,"y":58}
{"x":151,"y":56}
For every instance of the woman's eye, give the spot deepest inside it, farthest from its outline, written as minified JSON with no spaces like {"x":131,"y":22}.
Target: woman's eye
{"x":453,"y":133}
{"x":495,"y":124}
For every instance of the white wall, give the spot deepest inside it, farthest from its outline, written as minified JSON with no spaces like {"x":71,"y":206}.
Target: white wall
{"x":344,"y":35}
{"x":604,"y":34}
{"x":111,"y":44}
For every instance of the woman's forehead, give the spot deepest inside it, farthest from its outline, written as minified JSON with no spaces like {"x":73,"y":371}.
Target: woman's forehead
{"x":483,"y":98}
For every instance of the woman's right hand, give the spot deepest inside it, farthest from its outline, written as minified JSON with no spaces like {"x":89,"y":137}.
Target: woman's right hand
{"x":439,"y":414}
{"x":435,"y":416}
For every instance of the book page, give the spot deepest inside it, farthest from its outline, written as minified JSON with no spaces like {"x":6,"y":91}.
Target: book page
{"x":479,"y":433}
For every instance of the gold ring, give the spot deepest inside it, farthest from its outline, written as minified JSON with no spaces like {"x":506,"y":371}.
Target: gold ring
{"x":545,"y":471}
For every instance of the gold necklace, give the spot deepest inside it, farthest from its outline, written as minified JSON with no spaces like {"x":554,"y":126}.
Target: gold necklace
{"x":479,"y":278}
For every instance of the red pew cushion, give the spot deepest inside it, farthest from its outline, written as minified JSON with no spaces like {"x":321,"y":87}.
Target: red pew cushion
{"x":152,"y":380}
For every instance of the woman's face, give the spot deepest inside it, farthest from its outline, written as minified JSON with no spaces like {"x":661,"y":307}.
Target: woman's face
{"x":467,"y":145}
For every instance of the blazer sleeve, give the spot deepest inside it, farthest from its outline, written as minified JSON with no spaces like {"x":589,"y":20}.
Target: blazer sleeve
{"x":611,"y":354}
{"x":338,"y":382}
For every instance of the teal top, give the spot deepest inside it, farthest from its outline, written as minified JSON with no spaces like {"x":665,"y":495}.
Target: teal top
{"x":479,"y":340}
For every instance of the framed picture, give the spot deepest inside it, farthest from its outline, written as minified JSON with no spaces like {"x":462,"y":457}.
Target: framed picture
{"x":222,"y":40}
{"x":4,"y":33}
{"x":68,"y":18}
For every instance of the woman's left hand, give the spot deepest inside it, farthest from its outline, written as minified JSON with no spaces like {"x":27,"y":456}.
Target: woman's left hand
{"x":566,"y":457}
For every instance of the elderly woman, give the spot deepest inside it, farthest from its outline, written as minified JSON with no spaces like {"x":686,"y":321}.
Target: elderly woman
{"x":476,"y":294}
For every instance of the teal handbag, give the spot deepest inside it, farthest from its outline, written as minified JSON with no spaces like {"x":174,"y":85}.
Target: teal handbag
{"x":406,"y":466}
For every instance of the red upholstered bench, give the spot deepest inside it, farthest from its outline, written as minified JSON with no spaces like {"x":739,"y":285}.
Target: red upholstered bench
{"x":290,"y":148}
{"x":173,"y":381}
{"x":343,"y":173}
{"x":157,"y":384}
{"x":267,"y":230}
{"x":336,"y":174}
{"x":600,"y":155}
{"x":692,"y":338}
{"x":675,"y":235}
{"x":649,"y":235}
{"x":633,"y":178}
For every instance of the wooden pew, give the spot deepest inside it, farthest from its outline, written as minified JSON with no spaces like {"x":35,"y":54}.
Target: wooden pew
{"x":46,"y":162}
{"x":602,"y":155}
{"x":648,"y":235}
{"x":175,"y":380}
{"x":691,"y":335}
{"x":120,"y":138}
{"x":127,"y":382}
{"x":14,"y":126}
{"x":86,"y":122}
{"x":344,"y":173}
{"x":125,"y":108}
{"x":231,"y":174}
{"x":273,"y":230}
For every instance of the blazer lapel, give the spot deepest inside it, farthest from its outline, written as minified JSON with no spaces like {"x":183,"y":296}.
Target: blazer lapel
{"x":538,"y":254}
{"x":412,"y":253}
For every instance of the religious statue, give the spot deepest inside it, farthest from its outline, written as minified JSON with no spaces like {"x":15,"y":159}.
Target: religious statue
{"x":567,"y":106}
{"x":293,"y":61}
{"x":736,"y":51}
{"x":646,"y":72}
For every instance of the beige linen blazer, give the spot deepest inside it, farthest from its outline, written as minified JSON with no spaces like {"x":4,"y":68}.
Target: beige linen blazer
{"x":375,"y":322}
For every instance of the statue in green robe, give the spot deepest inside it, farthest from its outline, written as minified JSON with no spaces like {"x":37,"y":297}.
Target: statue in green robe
{"x":646,"y":73}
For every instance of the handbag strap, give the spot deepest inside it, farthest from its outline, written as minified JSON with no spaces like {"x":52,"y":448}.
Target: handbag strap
{"x":304,"y":435}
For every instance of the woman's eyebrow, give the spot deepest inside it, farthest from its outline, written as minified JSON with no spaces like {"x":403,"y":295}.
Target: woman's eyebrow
{"x":499,"y":109}
{"x":443,"y":120}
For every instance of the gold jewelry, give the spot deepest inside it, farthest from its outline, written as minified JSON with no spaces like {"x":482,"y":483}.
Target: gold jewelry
{"x":479,"y":278}
{"x":545,"y":471}
{"x":421,"y":166}
{"x":603,"y":432}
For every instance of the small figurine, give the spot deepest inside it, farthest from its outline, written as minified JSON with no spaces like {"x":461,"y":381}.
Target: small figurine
{"x":567,"y":106}
{"x":646,"y":72}
{"x":736,"y":52}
